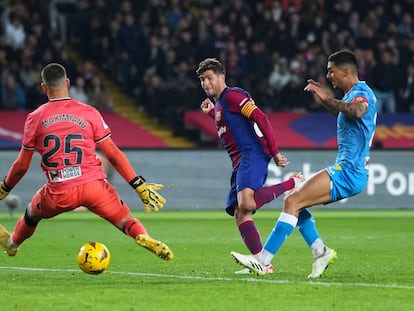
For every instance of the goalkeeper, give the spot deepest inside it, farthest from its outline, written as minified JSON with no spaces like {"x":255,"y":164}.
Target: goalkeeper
{"x":66,"y":132}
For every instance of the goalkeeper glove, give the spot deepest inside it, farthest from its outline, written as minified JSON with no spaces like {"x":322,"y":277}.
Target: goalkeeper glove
{"x":4,"y":190}
{"x":147,"y":193}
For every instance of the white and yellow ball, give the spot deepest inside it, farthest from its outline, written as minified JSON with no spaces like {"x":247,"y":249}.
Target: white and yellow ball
{"x":93,"y":258}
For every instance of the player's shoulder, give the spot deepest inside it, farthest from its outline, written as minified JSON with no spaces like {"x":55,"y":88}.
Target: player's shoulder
{"x":80,"y":104}
{"x":362,"y":89}
{"x":66,"y":106}
{"x":363,"y":86}
{"x":45,"y":107}
{"x":237,"y":90}
{"x":77,"y":107}
{"x":236,"y":95}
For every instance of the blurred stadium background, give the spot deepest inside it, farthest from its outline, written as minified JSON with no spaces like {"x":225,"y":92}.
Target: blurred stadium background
{"x":135,"y":61}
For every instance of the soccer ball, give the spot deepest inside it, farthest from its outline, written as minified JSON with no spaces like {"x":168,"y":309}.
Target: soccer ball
{"x":93,"y":258}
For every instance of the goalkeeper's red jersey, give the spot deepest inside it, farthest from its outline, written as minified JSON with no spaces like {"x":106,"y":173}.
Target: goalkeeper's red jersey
{"x":65,"y":132}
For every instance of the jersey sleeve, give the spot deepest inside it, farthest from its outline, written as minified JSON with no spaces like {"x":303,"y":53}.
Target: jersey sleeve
{"x":262,"y":121}
{"x":236,"y":100}
{"x":360,"y":97}
{"x":243,"y":104}
{"x":101,"y":129}
{"x":29,"y":132}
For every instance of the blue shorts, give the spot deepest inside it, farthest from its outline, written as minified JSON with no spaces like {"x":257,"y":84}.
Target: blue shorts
{"x":251,"y":173}
{"x":345,"y":182}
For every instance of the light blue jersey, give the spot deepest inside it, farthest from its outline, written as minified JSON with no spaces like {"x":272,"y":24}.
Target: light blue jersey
{"x":349,"y":174}
{"x":355,"y":135}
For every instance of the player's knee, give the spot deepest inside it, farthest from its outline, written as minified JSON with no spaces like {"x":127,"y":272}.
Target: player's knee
{"x":30,"y":220}
{"x":241,"y":216}
{"x":247,"y":207}
{"x":291,"y":205}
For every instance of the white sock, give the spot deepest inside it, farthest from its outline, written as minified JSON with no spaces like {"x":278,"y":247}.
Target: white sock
{"x":318,"y":248}
{"x":11,"y":244}
{"x":264,"y":257}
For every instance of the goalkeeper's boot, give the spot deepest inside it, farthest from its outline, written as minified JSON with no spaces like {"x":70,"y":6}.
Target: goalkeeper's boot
{"x":158,"y":248}
{"x":321,"y":263}
{"x":298,"y":179}
{"x":251,"y":263}
{"x":270,"y":270}
{"x":4,"y":241}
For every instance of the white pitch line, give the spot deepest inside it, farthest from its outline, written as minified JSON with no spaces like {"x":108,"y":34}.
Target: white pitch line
{"x":202,"y":278}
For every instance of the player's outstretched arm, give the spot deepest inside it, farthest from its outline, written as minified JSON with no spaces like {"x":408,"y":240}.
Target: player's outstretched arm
{"x":147,"y":192}
{"x":316,"y":89}
{"x":16,"y":172}
{"x":4,"y":190}
{"x":355,"y":109}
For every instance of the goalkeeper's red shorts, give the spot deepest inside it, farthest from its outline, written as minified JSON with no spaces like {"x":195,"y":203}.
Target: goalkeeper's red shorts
{"x":99,"y":196}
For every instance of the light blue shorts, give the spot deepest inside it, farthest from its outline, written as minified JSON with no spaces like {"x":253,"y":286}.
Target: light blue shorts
{"x":345,"y":182}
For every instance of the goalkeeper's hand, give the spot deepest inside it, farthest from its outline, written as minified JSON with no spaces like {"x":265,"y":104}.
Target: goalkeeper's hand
{"x":146,"y":191}
{"x":4,"y":190}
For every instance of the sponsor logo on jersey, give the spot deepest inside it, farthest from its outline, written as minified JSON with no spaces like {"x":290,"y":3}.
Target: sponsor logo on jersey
{"x":221,"y":130}
{"x":64,"y":174}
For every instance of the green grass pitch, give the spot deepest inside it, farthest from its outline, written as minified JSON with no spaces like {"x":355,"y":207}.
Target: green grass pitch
{"x":374,"y":269}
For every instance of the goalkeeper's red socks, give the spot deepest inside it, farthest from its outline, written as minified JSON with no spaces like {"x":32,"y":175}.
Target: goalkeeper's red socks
{"x":23,"y":230}
{"x":133,"y":227}
{"x":267,"y":194}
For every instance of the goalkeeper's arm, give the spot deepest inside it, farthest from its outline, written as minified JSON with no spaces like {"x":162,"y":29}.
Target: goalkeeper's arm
{"x":146,"y":191}
{"x":4,"y":189}
{"x":16,"y":172}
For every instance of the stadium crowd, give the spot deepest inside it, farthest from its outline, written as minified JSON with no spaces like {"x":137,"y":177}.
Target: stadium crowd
{"x":151,"y":49}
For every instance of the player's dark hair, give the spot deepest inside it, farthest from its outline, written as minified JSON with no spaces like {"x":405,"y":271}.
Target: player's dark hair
{"x":344,"y":57}
{"x":53,"y":75}
{"x":210,"y":64}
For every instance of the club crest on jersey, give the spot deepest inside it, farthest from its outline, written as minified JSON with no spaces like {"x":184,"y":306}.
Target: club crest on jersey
{"x":218,"y":115}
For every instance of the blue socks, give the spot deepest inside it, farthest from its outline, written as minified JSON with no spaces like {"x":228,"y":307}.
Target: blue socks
{"x":307,"y":227}
{"x":283,"y":228}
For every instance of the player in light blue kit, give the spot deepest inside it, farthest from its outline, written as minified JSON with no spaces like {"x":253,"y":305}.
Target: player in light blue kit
{"x":356,"y":122}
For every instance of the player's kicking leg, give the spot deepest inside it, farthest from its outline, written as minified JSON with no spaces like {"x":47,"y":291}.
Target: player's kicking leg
{"x":298,"y":180}
{"x":251,"y":263}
